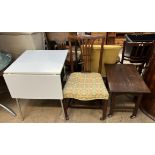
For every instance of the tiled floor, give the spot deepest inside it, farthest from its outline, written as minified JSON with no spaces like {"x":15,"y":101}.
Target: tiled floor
{"x":49,"y":111}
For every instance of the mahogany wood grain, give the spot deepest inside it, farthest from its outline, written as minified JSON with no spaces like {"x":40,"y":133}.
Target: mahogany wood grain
{"x":124,"y":78}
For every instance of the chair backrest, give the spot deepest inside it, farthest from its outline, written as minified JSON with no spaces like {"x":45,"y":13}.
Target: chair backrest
{"x":137,"y":52}
{"x":85,"y":44}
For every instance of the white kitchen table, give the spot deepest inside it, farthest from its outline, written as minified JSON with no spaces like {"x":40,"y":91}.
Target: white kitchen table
{"x":36,"y":74}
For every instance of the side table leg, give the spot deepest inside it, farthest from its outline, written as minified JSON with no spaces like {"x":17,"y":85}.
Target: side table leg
{"x":19,"y":108}
{"x":64,"y":109}
{"x":112,"y":104}
{"x":104,"y":111}
{"x":136,"y":106}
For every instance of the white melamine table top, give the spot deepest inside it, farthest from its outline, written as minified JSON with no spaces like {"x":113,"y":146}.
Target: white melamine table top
{"x":38,"y":62}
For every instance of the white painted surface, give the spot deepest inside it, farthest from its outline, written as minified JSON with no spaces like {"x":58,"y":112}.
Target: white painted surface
{"x":36,"y":75}
{"x":34,"y":86}
{"x":38,"y":62}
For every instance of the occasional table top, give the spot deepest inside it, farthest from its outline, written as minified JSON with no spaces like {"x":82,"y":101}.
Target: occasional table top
{"x":125,"y":78}
{"x":38,"y":62}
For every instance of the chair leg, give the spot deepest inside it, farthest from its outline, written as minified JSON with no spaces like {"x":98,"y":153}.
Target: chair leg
{"x":140,"y":68}
{"x":104,"y":110}
{"x":64,"y":109}
{"x":121,"y":61}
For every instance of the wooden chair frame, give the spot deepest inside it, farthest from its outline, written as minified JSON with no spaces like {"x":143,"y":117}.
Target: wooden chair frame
{"x":138,"y":53}
{"x":86,"y":46}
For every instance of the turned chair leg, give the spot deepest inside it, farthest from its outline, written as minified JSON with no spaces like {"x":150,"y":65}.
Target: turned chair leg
{"x":104,"y":109}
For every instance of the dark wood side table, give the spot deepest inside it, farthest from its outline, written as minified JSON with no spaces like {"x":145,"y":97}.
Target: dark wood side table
{"x":124,"y":78}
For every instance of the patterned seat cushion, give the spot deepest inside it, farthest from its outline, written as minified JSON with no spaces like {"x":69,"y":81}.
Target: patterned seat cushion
{"x":85,"y":86}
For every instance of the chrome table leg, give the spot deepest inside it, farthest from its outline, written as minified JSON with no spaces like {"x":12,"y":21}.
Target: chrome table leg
{"x":62,"y":106}
{"x":19,"y":108}
{"x":8,"y":110}
{"x":64,"y":111}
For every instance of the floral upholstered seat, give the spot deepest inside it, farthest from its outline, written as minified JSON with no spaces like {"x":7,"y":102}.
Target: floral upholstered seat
{"x":85,"y":86}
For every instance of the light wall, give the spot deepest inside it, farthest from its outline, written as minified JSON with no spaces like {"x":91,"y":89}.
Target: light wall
{"x":17,"y":42}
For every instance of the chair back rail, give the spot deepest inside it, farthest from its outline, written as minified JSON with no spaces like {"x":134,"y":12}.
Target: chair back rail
{"x":85,"y":44}
{"x":139,"y":52}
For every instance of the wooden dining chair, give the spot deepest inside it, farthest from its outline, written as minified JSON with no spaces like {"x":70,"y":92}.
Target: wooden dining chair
{"x":138,"y":53}
{"x":86,"y":85}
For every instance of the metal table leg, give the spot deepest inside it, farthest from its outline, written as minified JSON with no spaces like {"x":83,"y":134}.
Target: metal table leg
{"x":19,"y":108}
{"x":8,"y":110}
{"x":64,"y":111}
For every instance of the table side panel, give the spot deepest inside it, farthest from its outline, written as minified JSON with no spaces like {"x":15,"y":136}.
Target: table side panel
{"x":34,"y":86}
